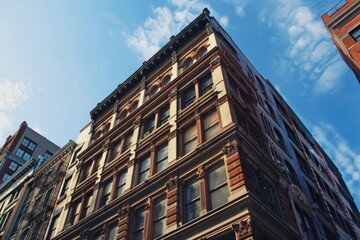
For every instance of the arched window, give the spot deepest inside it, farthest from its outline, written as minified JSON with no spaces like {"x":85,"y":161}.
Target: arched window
{"x":154,"y":90}
{"x":134,"y":106}
{"x":202,"y":52}
{"x":188,"y":63}
{"x":166,"y":80}
{"x":124,"y":114}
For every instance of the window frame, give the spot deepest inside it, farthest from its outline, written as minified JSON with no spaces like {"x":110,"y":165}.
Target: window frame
{"x":355,"y":33}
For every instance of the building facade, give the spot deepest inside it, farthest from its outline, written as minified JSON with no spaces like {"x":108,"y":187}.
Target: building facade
{"x":23,"y":145}
{"x":196,"y":144}
{"x":343,"y":24}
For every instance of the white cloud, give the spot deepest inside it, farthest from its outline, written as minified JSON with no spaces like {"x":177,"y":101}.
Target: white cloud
{"x":344,"y":157}
{"x":309,"y":48}
{"x":156,"y":30}
{"x":12,"y":96}
{"x":224,"y":21}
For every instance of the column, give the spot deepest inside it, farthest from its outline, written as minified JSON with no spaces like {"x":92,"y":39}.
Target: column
{"x":172,"y":203}
{"x":123,"y":215}
{"x":173,"y":108}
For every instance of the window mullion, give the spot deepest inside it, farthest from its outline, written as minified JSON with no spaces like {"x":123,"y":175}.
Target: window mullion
{"x":204,"y":205}
{"x":152,"y":161}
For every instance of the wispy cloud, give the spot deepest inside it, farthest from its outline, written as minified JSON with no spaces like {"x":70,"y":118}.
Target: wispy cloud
{"x":309,"y":48}
{"x":12,"y":96}
{"x":165,"y":21}
{"x":339,"y":150}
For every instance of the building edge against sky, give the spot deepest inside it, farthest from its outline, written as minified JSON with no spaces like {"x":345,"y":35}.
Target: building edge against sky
{"x":196,"y":144}
{"x":343,"y":24}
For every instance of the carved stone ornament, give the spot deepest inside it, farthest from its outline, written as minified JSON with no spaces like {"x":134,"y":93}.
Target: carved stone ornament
{"x":106,"y":145}
{"x":230,"y":147}
{"x":124,"y":210}
{"x":147,"y":204}
{"x":116,"y":106}
{"x":136,"y":122}
{"x":215,"y":63}
{"x":172,"y":183}
{"x":85,"y":234}
{"x":200,"y":172}
{"x":299,"y":197}
{"x":242,"y":229}
{"x":79,"y":165}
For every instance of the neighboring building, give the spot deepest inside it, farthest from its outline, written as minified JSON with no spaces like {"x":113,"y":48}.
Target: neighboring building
{"x":343,"y":24}
{"x":32,"y":221}
{"x":24,"y":144}
{"x":197,"y":145}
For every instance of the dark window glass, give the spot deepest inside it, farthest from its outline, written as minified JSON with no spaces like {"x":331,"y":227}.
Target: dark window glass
{"x":47,"y":155}
{"x":149,"y":125}
{"x":106,"y":193}
{"x":188,"y":97}
{"x":139,"y":220}
{"x":159,"y":217}
{"x":87,"y":204}
{"x":192,"y":200}
{"x":190,"y":138}
{"x":113,"y":231}
{"x":26,"y":156}
{"x":20,"y":153}
{"x":211,"y":125}
{"x":144,"y":169}
{"x":53,"y":227}
{"x":121,"y":184}
{"x":202,"y":52}
{"x":13,"y":166}
{"x":218,"y":187}
{"x":164,"y":115}
{"x":161,"y":158}
{"x":166,"y":80}
{"x":65,"y":186}
{"x":128,"y":141}
{"x":205,"y":85}
{"x":189,"y":62}
{"x":356,"y":33}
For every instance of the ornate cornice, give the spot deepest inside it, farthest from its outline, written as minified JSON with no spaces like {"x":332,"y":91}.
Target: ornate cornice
{"x":230,"y":148}
{"x":243,"y":228}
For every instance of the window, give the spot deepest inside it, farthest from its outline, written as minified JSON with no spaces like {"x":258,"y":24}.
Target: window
{"x":124,"y":114}
{"x":96,"y":164}
{"x":144,"y":169}
{"x":192,"y":200}
{"x":115,"y":149}
{"x":356,"y":33}
{"x":164,"y":115}
{"x":106,"y":193}
{"x":26,"y":156}
{"x":19,"y":153}
{"x":210,"y":125}
{"x":166,"y":80}
{"x":188,"y":63}
{"x":202,"y":52}
{"x":113,"y":231}
{"x":206,"y":84}
{"x":85,"y":171}
{"x":159,"y":217}
{"x":155,"y":90}
{"x":87,"y":204}
{"x":190,"y":138}
{"x":139,"y":220}
{"x":5,"y":177}
{"x":13,"y":166}
{"x":53,"y":227}
{"x":188,"y":97}
{"x":218,"y":188}
{"x":65,"y":186}
{"x":304,"y":224}
{"x":161,"y":158}
{"x":149,"y":125}
{"x":121,"y":184}
{"x":279,"y":138}
{"x":47,"y":155}
{"x":128,"y":141}
{"x":76,"y":213}
{"x":28,"y":144}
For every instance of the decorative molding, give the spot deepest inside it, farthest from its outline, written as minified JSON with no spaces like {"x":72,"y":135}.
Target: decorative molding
{"x":116,"y":106}
{"x":200,"y":172}
{"x":209,"y":29}
{"x":243,"y":229}
{"x":124,"y":211}
{"x":172,"y":135}
{"x":137,"y":122}
{"x":173,"y":95}
{"x":106,"y":145}
{"x":172,"y":183}
{"x":215,"y":63}
{"x":130,"y":163}
{"x":230,"y":148}
{"x":147,"y":204}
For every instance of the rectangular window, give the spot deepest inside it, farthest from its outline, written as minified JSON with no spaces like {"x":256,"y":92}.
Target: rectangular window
{"x":65,"y":186}
{"x":356,"y":33}
{"x":128,"y":141}
{"x":121,"y":184}
{"x":19,"y":153}
{"x":206,"y":85}
{"x":188,"y":97}
{"x":5,"y":177}
{"x":47,"y":155}
{"x":164,"y":115}
{"x":159,"y":217}
{"x":218,"y":188}
{"x":161,"y":158}
{"x":96,"y":164}
{"x":26,"y":156}
{"x":13,"y":166}
{"x":139,"y":221}
{"x":144,"y":169}
{"x":106,"y":193}
{"x":115,"y":150}
{"x":211,"y":125}
{"x":86,"y":171}
{"x":87,"y":204}
{"x":149,"y":125}
{"x":113,"y":231}
{"x":190,"y":138}
{"x":192,"y":200}
{"x":28,"y":144}
{"x":25,"y":142}
{"x":76,"y":212}
{"x":53,"y":227}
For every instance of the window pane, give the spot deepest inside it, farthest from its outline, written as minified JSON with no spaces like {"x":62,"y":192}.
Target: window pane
{"x":164,"y":115}
{"x":139,"y":220}
{"x":161,"y":157}
{"x":159,"y":228}
{"x":188,"y":97}
{"x":188,"y":63}
{"x":138,"y":235}
{"x":202,"y":52}
{"x":190,"y":138}
{"x":149,"y":125}
{"x":25,"y":142}
{"x":192,"y":191}
{"x":206,"y":85}
{"x":145,"y":164}
{"x":121,"y":183}
{"x":193,"y":210}
{"x":219,"y":197}
{"x":116,"y":150}
{"x":19,"y":153}
{"x":356,"y":34}
{"x":211,"y":124}
{"x":217,"y":177}
{"x":159,"y":209}
{"x":113,"y":232}
{"x":26,"y":156}
{"x":128,"y":141}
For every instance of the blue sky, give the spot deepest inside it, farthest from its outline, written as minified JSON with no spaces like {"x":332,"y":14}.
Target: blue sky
{"x":58,"y":59}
